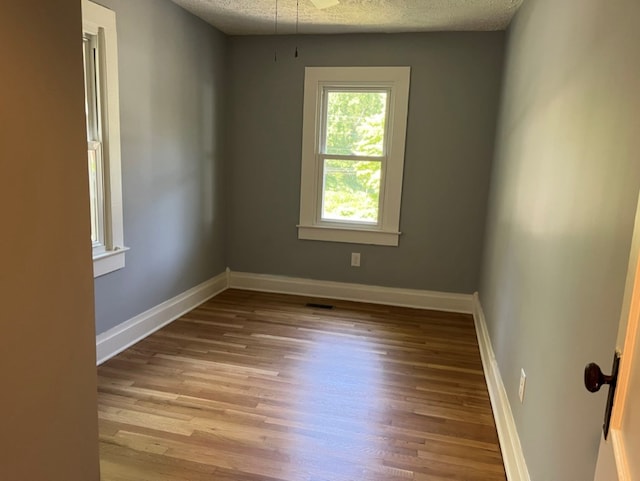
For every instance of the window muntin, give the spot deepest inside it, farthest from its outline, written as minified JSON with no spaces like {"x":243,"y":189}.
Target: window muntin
{"x":354,"y":128}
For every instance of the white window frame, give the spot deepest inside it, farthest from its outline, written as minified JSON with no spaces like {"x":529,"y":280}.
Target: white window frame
{"x":386,"y":231}
{"x":100,"y":22}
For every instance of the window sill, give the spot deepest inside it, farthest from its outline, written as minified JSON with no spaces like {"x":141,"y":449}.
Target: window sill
{"x":109,"y":261}
{"x":348,"y":234}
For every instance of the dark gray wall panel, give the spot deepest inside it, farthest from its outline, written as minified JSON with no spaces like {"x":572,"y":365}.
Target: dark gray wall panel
{"x":563,"y":197}
{"x":172,"y":83}
{"x":455,"y":85}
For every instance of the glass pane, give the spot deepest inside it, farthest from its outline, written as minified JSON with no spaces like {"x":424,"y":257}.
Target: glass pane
{"x":87,"y":94}
{"x":351,"y":190}
{"x":355,"y":123}
{"x":93,"y":194}
{"x":91,"y":87}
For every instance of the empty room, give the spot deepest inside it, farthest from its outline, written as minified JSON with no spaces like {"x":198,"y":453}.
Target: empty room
{"x":321,"y":240}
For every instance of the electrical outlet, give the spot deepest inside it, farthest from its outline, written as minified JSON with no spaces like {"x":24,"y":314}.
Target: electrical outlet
{"x":355,"y":259}
{"x":523,"y":382}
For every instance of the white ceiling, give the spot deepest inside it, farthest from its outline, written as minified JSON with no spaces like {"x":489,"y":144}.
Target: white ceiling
{"x":257,"y":17}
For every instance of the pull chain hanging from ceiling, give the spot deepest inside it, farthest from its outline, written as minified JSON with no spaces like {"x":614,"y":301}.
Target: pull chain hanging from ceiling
{"x":297,"y":23}
{"x":275,"y":52}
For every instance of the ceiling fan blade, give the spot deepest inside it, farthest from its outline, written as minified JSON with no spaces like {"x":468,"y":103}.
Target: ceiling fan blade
{"x":322,"y":4}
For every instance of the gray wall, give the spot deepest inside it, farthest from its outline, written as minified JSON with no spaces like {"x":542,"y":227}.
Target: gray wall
{"x":172,"y":81}
{"x":455,"y":85}
{"x":563,"y":196}
{"x":47,"y":348}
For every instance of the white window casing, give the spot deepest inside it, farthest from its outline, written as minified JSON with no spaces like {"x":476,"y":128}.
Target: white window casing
{"x":318,"y":80}
{"x":99,"y":24}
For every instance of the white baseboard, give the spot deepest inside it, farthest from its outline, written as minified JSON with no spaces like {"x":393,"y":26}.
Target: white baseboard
{"x":420,"y":299}
{"x":124,"y":335}
{"x":512,"y":455}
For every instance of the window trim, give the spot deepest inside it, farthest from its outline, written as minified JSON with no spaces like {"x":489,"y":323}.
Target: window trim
{"x":311,"y":227}
{"x":101,"y":22}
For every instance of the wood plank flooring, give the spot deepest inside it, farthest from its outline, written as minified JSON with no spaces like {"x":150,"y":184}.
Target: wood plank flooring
{"x":259,"y":387}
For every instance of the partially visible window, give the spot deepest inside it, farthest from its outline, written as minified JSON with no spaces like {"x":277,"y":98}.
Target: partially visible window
{"x":353,"y":153}
{"x":103,"y":137}
{"x":94,"y":137}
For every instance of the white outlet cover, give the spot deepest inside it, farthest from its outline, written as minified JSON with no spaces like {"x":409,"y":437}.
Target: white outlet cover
{"x":523,"y":382}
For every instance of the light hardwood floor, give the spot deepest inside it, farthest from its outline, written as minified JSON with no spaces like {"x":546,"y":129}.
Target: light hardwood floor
{"x":259,"y":387}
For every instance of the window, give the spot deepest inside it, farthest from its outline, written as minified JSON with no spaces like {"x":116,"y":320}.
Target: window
{"x":103,"y":137}
{"x":354,"y":128}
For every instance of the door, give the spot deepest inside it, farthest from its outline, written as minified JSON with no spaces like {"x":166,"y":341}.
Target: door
{"x":618,"y":458}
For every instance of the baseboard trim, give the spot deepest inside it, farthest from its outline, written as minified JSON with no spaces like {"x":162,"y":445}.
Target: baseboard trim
{"x":124,"y":335}
{"x":512,"y":455}
{"x":420,"y":299}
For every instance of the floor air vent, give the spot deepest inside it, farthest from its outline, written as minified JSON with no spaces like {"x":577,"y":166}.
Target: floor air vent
{"x":319,"y":306}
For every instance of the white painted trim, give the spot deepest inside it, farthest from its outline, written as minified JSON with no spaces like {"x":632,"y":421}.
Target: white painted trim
{"x":420,"y":299}
{"x":124,"y":335}
{"x":512,"y":455}
{"x":109,"y":261}
{"x":353,"y":236}
{"x":620,"y":453}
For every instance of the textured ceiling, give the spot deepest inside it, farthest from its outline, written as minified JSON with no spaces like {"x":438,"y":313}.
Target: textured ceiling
{"x":257,"y":17}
